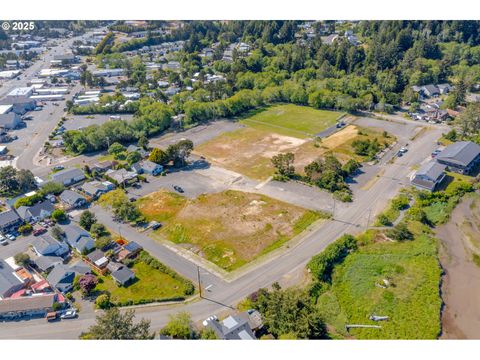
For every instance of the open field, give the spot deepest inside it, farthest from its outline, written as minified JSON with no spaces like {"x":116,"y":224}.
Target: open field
{"x":293,"y":120}
{"x":248,"y":151}
{"x":150,"y":285}
{"x":411,"y":298}
{"x":229,"y":228}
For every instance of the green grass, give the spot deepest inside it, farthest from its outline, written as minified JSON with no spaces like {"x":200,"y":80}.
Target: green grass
{"x":151,"y":285}
{"x":394,"y":208}
{"x":412,"y":301}
{"x":293,"y":120}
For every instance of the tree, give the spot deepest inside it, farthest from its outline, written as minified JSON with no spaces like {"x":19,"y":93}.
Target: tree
{"x":179,"y":326}
{"x":158,"y":156}
{"x":290,"y":312}
{"x":22,"y":259}
{"x":57,"y":232}
{"x":59,"y":215}
{"x":51,"y":188}
{"x":87,"y":283}
{"x":87,"y":219}
{"x":8,"y":180}
{"x":102,"y":242}
{"x":97,"y":230}
{"x":133,"y":157}
{"x":113,"y":325}
{"x":208,"y":334}
{"x":115,"y":149}
{"x":25,"y":229}
{"x":400,"y":232}
{"x":143,"y":142}
{"x":26,"y":180}
{"x":284,"y":164}
{"x":125,"y":210}
{"x":103,"y":301}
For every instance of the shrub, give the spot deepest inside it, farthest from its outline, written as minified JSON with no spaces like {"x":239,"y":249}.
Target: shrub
{"x":400,"y":232}
{"x":343,"y":195}
{"x":321,"y":265}
{"x":383,"y":220}
{"x":59,"y":215}
{"x":25,"y":229}
{"x":103,"y":301}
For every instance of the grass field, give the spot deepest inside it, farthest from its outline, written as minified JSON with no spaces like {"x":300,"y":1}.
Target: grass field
{"x":229,"y":228}
{"x":411,"y":301}
{"x":293,"y":120}
{"x":248,"y":151}
{"x":151,"y":285}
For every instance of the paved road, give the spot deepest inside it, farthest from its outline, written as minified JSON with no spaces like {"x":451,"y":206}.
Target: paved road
{"x":351,"y":219}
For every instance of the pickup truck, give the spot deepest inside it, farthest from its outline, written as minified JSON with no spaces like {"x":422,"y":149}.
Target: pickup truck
{"x":51,"y":316}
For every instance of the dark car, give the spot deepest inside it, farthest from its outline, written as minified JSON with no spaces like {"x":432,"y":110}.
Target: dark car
{"x":178,"y":188}
{"x":39,"y":231}
{"x":136,"y":186}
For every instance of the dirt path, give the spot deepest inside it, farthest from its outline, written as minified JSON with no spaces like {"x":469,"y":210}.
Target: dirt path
{"x":461,"y":282}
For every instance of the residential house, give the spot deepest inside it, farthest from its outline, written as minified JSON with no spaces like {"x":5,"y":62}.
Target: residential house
{"x":134,"y":148}
{"x":103,"y":166}
{"x":147,"y":166}
{"x":36,"y":212}
{"x":78,"y":238}
{"x":96,"y":188}
{"x":444,"y":88}
{"x":10,"y":121}
{"x":9,"y":220}
{"x":47,"y":263}
{"x":68,"y":177}
{"x":27,"y":306}
{"x":98,"y":258}
{"x":10,"y":282}
{"x":429,"y":176}
{"x":61,"y":277}
{"x":113,"y":266}
{"x":81,"y":268}
{"x":123,"y":276}
{"x":232,"y":328}
{"x":129,"y":251}
{"x":46,"y":245}
{"x":72,"y":199}
{"x":461,"y":157}
{"x":122,"y":176}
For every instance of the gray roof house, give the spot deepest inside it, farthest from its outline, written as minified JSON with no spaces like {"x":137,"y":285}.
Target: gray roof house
{"x":36,"y":212}
{"x":20,"y":104}
{"x":81,"y":268}
{"x":133,"y":148}
{"x":98,"y":258}
{"x":9,"y":220}
{"x":27,"y":305}
{"x":46,"y":245}
{"x":72,"y":199}
{"x":429,"y":176}
{"x":46,"y":263}
{"x":232,"y":328}
{"x":61,"y":277}
{"x":96,"y":188}
{"x":123,"y":276}
{"x":147,"y":166}
{"x":461,"y":157}
{"x":78,"y":238}
{"x":10,"y":121}
{"x":430,"y":90}
{"x":68,"y":176}
{"x":9,"y":281}
{"x":121,"y":176}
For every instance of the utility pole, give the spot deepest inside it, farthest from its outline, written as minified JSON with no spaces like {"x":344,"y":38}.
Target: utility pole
{"x":199,"y":283}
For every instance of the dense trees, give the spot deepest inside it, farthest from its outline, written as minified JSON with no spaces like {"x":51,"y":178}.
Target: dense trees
{"x":289,"y":313}
{"x":179,"y":327}
{"x":87,"y":219}
{"x":13,"y":181}
{"x":284,"y":164}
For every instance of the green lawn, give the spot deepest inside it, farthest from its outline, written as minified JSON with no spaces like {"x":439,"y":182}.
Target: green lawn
{"x":150,"y":285}
{"x":293,"y":120}
{"x":411,"y":301}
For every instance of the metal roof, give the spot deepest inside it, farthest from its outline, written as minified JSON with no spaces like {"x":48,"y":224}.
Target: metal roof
{"x":460,"y":153}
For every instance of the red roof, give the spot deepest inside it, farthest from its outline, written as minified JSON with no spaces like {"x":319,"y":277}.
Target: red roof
{"x":41,"y":285}
{"x":18,"y":294}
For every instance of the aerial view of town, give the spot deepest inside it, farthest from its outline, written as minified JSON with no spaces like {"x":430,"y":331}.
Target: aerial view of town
{"x":240,"y":179}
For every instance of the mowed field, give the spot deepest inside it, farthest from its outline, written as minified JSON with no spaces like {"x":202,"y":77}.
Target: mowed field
{"x":229,"y":228}
{"x":249,"y":151}
{"x":293,"y":120}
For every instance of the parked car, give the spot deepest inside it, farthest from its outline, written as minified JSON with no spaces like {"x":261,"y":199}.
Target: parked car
{"x":210,"y":318}
{"x":38,"y":108}
{"x":136,"y":186}
{"x":3,"y":241}
{"x":436,"y":152}
{"x":155,"y":225}
{"x":39,"y":231}
{"x":51,"y":316}
{"x":403,"y":150}
{"x":58,"y":167}
{"x":69,"y":314}
{"x":178,"y":189}
{"x":10,"y":237}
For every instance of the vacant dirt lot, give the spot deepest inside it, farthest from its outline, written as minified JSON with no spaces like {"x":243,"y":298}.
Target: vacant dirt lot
{"x":461,"y":282}
{"x":229,"y":228}
{"x":248,"y":151}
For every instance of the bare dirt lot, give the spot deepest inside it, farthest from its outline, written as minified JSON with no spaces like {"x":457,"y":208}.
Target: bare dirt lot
{"x":461,"y":282}
{"x":229,"y":228}
{"x":249,"y":151}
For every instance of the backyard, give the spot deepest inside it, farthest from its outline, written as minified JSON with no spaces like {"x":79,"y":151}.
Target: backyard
{"x":229,"y":228}
{"x":150,"y":285}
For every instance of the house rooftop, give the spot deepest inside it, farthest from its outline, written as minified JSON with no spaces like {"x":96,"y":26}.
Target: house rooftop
{"x":460,"y":153}
{"x":27,"y":303}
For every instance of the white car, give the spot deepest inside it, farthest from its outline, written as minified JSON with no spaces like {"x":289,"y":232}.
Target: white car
{"x":403,"y":150}
{"x":3,"y":241}
{"x":69,"y":314}
{"x":210,"y":318}
{"x":11,"y":237}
